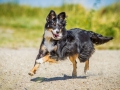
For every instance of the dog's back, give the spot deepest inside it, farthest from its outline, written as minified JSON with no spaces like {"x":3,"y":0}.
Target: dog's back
{"x":81,"y":42}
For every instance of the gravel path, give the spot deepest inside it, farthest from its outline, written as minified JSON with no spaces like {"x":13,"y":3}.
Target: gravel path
{"x":104,"y":73}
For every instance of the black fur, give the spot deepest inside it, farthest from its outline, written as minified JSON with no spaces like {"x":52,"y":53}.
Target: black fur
{"x":53,"y":22}
{"x":98,"y":38}
{"x":44,"y":52}
{"x":78,"y":41}
{"x":59,"y":43}
{"x":74,"y":41}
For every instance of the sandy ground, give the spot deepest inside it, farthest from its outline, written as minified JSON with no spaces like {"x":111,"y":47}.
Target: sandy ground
{"x":104,"y":73}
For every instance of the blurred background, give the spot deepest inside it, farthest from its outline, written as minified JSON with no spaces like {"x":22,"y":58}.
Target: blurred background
{"x":22,"y":21}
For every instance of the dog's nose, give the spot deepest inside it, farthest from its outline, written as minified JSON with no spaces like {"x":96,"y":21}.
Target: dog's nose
{"x":57,"y":32}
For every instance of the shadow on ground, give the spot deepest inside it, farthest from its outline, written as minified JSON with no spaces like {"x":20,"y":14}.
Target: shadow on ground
{"x":65,"y":77}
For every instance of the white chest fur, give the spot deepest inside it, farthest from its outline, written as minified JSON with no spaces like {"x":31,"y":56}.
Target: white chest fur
{"x":49,"y":45}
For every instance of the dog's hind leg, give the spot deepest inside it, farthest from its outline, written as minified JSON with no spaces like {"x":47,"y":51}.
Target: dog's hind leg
{"x":86,"y":66}
{"x":73,"y":60}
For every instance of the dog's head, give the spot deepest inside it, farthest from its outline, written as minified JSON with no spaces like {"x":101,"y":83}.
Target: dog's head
{"x":55,"y":25}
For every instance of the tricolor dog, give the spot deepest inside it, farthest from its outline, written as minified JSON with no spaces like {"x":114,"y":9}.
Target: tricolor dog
{"x":61,"y":43}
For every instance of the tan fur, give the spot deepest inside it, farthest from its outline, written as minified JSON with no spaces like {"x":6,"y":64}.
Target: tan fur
{"x":34,"y":69}
{"x":55,"y":48}
{"x":43,"y":48}
{"x":73,"y":60}
{"x":36,"y":66}
{"x":50,"y":29}
{"x":48,"y":39}
{"x":86,"y":66}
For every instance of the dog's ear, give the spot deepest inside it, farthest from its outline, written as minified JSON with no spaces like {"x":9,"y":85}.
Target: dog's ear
{"x":51,"y":15}
{"x":62,"y":16}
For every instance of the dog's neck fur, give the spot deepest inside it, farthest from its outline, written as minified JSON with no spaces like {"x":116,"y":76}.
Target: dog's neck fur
{"x":50,"y":43}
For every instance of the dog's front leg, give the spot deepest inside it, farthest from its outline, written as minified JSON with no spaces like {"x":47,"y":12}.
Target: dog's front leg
{"x":46,"y":58}
{"x":42,"y":53}
{"x":34,"y":69}
{"x":41,"y":60}
{"x":37,"y":64}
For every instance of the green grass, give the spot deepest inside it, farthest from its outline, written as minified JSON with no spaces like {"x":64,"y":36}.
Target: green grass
{"x":13,"y":38}
{"x":23,"y":26}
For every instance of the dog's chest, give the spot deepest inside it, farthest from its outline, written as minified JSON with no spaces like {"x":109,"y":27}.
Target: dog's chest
{"x":49,"y":45}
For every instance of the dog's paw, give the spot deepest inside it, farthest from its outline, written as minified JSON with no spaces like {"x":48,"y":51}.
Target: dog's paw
{"x":31,"y":73}
{"x":74,"y":75}
{"x":87,"y":72}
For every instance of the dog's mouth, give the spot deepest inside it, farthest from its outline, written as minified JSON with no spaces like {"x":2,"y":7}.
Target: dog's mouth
{"x":55,"y":35}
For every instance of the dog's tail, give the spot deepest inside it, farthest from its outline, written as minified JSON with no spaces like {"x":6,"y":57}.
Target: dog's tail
{"x":98,"y":38}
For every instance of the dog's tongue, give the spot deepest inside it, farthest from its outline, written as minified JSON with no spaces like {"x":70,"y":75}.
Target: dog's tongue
{"x":56,"y":35}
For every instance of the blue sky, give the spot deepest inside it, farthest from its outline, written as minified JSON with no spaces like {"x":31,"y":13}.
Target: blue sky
{"x":44,"y":3}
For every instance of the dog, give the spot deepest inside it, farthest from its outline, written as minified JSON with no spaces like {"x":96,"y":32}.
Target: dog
{"x":74,"y":43}
{"x":52,"y":34}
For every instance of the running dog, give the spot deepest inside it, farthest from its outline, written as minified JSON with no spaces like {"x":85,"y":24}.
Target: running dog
{"x":61,"y":43}
{"x":52,"y":34}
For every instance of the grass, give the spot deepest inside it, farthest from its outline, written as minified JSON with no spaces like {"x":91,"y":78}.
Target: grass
{"x":13,"y":38}
{"x":23,"y":26}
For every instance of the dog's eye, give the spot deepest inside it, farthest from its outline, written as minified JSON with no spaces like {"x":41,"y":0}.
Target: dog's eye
{"x":54,"y":24}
